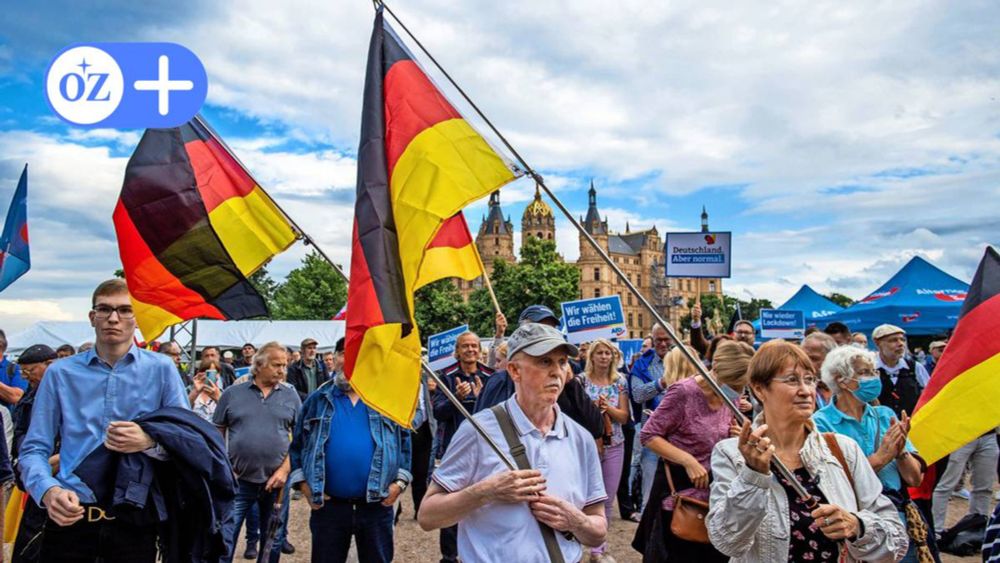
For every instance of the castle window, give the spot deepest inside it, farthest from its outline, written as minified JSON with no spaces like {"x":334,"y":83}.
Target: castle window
{"x":597,"y":274}
{"x":630,"y":319}
{"x":711,"y":286}
{"x":550,"y":236}
{"x":630,"y":298}
{"x":641,"y":324}
{"x":539,"y":235}
{"x":597,"y":292}
{"x":638,"y":282}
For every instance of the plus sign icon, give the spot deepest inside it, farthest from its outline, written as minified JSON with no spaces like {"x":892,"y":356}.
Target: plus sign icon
{"x":126,"y":85}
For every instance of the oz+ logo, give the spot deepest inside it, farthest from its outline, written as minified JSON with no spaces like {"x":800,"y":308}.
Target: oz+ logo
{"x":126,"y":85}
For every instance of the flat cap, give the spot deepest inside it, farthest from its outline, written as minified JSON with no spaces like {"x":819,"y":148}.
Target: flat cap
{"x":881,"y":331}
{"x":36,"y":354}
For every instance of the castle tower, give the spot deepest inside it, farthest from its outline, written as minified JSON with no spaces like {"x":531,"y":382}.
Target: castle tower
{"x":495,"y":239}
{"x":538,"y":219}
{"x":704,"y":220}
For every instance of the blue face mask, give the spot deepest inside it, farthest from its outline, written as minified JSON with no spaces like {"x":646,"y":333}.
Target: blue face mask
{"x":868,"y":389}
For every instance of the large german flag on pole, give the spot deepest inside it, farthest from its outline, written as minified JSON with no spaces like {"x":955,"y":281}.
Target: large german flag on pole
{"x":192,"y":225}
{"x":961,"y":400}
{"x":419,"y":163}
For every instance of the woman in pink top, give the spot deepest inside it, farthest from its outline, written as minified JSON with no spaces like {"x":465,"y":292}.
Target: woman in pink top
{"x":683,"y":429}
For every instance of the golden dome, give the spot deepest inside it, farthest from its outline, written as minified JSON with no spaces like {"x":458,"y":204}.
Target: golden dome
{"x":537,"y":207}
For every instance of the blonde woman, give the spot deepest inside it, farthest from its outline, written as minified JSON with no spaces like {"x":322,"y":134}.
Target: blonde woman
{"x":687,"y":424}
{"x":676,"y":367}
{"x":609,"y":391}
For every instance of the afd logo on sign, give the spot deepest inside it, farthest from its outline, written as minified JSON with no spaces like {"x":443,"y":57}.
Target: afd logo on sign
{"x":126,"y":85}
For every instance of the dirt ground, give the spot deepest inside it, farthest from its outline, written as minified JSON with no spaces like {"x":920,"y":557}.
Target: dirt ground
{"x":413,"y":545}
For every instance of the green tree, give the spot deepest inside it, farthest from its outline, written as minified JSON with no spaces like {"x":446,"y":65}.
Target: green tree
{"x":261,"y":281}
{"x":438,"y":307}
{"x":540,"y":278}
{"x":709,"y":303}
{"x":840,"y":299}
{"x":313,"y":291}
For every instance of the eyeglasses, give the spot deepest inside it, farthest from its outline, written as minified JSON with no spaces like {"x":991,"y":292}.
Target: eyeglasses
{"x":794,"y":381}
{"x":104,"y":311}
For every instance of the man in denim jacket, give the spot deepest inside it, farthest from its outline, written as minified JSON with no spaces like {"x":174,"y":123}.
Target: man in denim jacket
{"x":351,"y":464}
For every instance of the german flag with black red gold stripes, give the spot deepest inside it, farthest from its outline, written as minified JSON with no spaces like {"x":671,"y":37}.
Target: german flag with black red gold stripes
{"x":192,"y":225}
{"x":962,"y":400}
{"x":419,"y":164}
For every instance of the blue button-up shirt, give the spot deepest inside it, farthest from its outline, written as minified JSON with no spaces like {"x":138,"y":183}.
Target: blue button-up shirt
{"x":77,"y":399}
{"x":867,"y":432}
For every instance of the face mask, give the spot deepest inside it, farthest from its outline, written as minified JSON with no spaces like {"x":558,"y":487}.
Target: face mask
{"x":731,"y":394}
{"x":868,"y":389}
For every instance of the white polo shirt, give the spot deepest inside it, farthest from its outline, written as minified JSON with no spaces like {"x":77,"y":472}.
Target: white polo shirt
{"x":567,"y":458}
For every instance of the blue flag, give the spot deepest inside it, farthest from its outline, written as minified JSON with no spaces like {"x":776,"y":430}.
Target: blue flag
{"x":14,"y":257}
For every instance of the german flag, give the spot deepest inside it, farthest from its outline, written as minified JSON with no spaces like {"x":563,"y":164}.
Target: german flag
{"x":419,"y":164}
{"x":960,"y":401}
{"x":452,"y":254}
{"x":192,"y":226}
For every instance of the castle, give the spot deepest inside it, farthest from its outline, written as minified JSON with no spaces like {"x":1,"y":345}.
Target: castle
{"x":638,"y":254}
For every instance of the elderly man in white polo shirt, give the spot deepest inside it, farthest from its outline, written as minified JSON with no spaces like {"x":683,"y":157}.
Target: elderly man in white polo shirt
{"x":501,"y":512}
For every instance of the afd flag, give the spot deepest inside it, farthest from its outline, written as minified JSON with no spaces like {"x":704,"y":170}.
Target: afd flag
{"x":14,"y":257}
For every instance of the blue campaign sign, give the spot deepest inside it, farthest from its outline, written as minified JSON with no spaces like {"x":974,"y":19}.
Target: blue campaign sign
{"x":441,"y":347}
{"x":698,"y":255}
{"x":590,"y":319}
{"x":629,"y":347}
{"x":778,"y":323}
{"x":126,"y":85}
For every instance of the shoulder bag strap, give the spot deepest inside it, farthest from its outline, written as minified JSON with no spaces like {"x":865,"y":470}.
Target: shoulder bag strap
{"x":831,"y":442}
{"x":520,"y":456}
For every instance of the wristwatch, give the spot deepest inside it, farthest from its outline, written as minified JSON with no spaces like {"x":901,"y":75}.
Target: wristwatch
{"x":402,"y":485}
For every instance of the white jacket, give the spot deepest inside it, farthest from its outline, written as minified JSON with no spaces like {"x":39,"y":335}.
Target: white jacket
{"x":748,"y":511}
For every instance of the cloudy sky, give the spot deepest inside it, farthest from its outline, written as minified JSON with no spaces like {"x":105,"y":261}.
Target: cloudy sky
{"x":835,"y":139}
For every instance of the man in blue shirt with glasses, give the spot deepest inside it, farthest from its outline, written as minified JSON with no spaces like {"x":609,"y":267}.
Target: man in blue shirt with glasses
{"x":88,"y":401}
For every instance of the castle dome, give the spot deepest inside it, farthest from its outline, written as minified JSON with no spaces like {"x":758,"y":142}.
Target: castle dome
{"x":537,"y":207}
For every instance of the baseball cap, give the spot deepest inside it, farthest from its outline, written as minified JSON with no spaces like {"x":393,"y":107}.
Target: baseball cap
{"x":536,"y":339}
{"x":308,"y":342}
{"x":881,"y":331}
{"x":36,"y":354}
{"x":937,"y":344}
{"x":537,"y":314}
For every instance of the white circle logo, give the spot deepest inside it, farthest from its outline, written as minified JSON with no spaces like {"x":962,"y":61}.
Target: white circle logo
{"x":84,"y":85}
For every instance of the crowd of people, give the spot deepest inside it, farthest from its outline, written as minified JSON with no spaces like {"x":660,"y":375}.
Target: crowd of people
{"x":124,"y":453}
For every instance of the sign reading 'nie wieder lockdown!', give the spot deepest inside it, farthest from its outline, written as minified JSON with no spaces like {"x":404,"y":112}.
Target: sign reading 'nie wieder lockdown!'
{"x":441,"y":347}
{"x":589,"y":319}
{"x":698,"y":255}
{"x":776,"y":323}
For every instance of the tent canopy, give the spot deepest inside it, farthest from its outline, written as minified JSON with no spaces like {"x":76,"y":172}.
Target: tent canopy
{"x":920,"y":298}
{"x":225,"y":334}
{"x":817,"y":309}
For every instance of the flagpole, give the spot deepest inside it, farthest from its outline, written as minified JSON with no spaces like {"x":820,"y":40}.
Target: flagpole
{"x":309,"y":241}
{"x":776,"y":463}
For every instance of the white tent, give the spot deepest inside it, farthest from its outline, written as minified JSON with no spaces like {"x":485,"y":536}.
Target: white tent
{"x":225,"y":334}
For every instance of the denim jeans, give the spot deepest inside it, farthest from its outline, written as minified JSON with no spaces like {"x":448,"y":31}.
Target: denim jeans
{"x":335,"y":523}
{"x":248,"y":494}
{"x":253,"y":525}
{"x":647,"y":461}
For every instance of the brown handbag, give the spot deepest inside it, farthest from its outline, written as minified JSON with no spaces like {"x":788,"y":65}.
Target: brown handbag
{"x":688,"y":521}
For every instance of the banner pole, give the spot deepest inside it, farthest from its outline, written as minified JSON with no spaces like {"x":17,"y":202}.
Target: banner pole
{"x":776,"y":463}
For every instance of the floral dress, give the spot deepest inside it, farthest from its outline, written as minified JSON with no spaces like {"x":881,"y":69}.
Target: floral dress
{"x":611,"y":393}
{"x":806,"y":541}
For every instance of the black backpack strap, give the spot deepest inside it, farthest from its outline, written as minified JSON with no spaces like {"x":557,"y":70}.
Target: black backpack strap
{"x":520,"y":456}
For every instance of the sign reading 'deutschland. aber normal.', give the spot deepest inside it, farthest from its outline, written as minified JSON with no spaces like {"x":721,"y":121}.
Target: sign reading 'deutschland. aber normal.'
{"x":776,"y":323}
{"x":441,"y":347}
{"x":589,"y":319}
{"x":698,"y":255}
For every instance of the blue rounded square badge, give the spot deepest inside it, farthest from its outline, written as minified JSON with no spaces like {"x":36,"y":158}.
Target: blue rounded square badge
{"x":126,"y":85}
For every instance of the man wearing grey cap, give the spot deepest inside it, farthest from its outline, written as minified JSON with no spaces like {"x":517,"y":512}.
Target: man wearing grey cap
{"x":902,"y":381}
{"x":501,"y":511}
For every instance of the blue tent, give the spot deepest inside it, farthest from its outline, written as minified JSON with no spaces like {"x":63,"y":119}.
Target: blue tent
{"x":920,"y":298}
{"x":817,"y":309}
